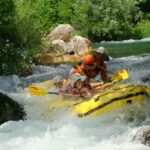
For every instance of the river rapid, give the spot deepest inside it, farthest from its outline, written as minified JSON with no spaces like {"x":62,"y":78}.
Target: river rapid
{"x":44,"y":130}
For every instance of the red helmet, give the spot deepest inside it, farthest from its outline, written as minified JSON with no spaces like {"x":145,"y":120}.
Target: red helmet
{"x":88,"y":59}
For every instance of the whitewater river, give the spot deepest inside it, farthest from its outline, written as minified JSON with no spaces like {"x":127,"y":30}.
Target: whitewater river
{"x":62,"y":131}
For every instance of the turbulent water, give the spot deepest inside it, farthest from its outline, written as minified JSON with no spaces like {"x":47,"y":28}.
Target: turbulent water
{"x":62,"y":131}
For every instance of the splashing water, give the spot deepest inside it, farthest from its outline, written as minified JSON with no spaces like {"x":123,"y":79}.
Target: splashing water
{"x":44,"y":130}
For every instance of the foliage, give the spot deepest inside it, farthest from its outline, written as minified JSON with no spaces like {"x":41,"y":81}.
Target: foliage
{"x":6,"y":12}
{"x":109,"y":19}
{"x":12,"y":61}
{"x":65,"y":11}
{"x":145,"y":6}
{"x":6,"y":18}
{"x":144,"y":28}
{"x":34,"y":19}
{"x":95,"y":19}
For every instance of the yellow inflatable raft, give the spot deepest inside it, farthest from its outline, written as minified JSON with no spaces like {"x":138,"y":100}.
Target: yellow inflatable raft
{"x":113,"y":98}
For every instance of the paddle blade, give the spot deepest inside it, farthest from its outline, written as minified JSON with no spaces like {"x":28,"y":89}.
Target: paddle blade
{"x":37,"y":91}
{"x":120,"y":75}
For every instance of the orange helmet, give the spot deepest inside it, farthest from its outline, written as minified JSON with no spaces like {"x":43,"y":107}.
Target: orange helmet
{"x":88,"y":59}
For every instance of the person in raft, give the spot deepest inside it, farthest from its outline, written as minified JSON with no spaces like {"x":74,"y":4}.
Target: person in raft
{"x":77,"y":85}
{"x":93,"y":64}
{"x":57,"y":85}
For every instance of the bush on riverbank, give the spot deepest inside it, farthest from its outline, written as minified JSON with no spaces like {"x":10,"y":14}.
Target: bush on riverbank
{"x":144,"y":28}
{"x":11,"y":59}
{"x":97,"y":20}
{"x":23,"y":23}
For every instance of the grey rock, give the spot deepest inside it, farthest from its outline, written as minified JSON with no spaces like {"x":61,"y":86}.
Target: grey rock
{"x":10,"y":110}
{"x":143,"y":136}
{"x":61,"y":32}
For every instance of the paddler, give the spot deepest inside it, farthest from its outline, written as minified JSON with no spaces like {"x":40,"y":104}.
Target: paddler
{"x":57,"y":85}
{"x":77,"y":85}
{"x":93,"y":64}
{"x":76,"y":69}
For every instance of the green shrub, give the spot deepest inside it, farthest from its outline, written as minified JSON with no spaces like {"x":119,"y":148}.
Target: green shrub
{"x":34,"y":19}
{"x":95,"y":19}
{"x":12,"y":61}
{"x":144,"y":28}
{"x":6,"y":20}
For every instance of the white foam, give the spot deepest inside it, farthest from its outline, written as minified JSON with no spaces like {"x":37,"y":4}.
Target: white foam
{"x":128,"y":41}
{"x":69,"y":133}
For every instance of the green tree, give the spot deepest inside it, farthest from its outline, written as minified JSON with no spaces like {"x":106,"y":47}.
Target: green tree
{"x":109,"y":19}
{"x":145,"y":6}
{"x":65,"y":11}
{"x":11,"y":59}
{"x":96,"y":19}
{"x":34,"y":19}
{"x":6,"y":20}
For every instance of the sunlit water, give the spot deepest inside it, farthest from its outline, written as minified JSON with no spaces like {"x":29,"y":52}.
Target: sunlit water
{"x":60,"y":130}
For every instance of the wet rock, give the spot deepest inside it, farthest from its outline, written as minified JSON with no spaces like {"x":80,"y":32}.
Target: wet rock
{"x":60,"y":59}
{"x":9,"y":109}
{"x":45,"y":58}
{"x":63,"y":47}
{"x":143,"y":136}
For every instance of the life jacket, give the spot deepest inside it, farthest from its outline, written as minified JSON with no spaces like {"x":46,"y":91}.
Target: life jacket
{"x":89,"y":60}
{"x":80,"y":70}
{"x":74,"y":70}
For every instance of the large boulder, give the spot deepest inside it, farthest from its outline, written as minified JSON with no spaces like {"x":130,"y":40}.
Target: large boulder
{"x":62,"y":46}
{"x":44,"y":58}
{"x":143,"y":136}
{"x":9,"y":109}
{"x":79,"y":45}
{"x":61,"y":32}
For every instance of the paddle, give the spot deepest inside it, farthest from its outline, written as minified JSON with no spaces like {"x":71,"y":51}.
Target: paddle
{"x":39,"y":91}
{"x":120,"y":75}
